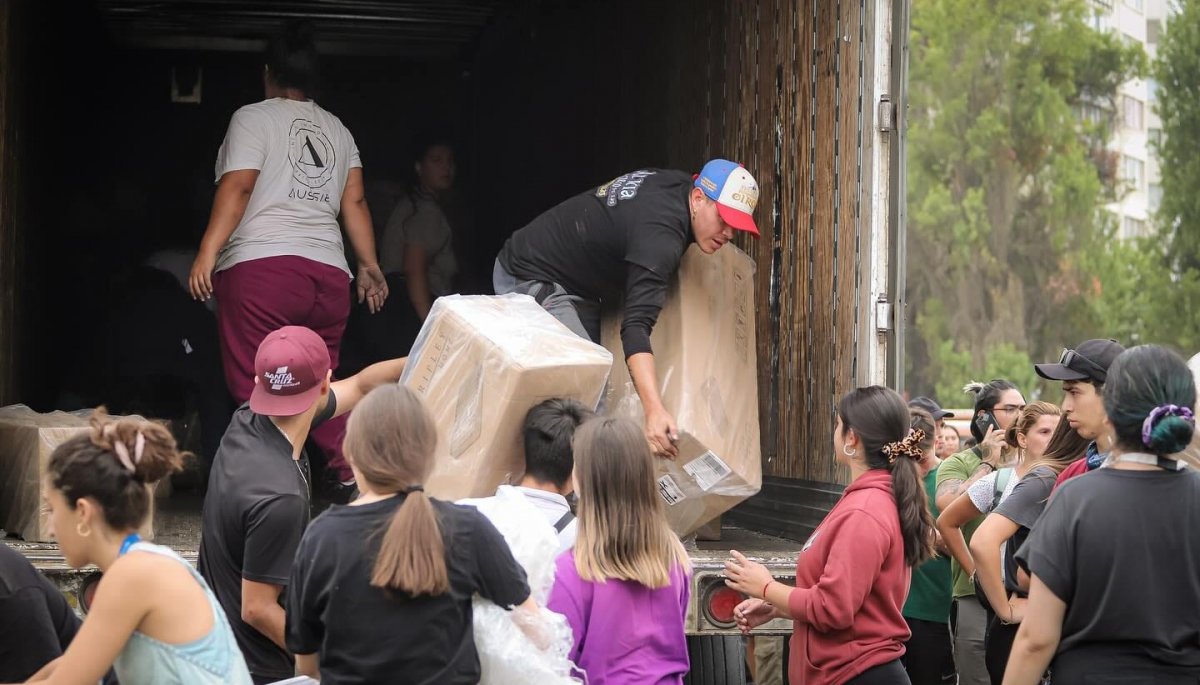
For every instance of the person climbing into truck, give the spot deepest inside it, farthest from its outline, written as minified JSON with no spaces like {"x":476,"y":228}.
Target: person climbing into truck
{"x":625,"y":239}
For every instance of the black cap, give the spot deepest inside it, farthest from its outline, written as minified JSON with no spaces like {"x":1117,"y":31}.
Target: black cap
{"x":930,"y":405}
{"x":1089,"y":361}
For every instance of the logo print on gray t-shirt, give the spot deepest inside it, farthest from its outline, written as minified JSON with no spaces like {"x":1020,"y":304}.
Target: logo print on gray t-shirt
{"x":311,"y":154}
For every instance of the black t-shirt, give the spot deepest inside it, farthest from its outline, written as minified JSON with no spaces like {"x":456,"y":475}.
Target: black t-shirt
{"x":1122,"y":550}
{"x":254,"y":516}
{"x":622,"y":239}
{"x":365,"y":634}
{"x":36,"y":623}
{"x":1023,"y":507}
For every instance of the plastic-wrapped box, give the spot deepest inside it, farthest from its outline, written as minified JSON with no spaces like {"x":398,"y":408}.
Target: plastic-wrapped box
{"x":705,"y":357}
{"x":27,"y":439}
{"x":508,"y":654}
{"x":481,"y":363}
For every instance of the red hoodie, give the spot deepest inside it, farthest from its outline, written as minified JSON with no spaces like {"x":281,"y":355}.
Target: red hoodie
{"x":851,"y":581}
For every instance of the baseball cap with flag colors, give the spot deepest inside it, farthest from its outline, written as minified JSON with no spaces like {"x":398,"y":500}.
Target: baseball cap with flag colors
{"x":733,"y":189}
{"x":289,"y":368}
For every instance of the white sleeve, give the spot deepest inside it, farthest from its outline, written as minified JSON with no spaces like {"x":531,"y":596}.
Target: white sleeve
{"x":245,"y":144}
{"x":355,"y":158}
{"x":982,"y":492}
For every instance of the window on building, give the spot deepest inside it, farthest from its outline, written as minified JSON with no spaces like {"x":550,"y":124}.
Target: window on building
{"x":1106,"y":4}
{"x":1154,"y":136}
{"x":1133,"y":170}
{"x":1153,"y":30}
{"x":1133,"y":111}
{"x":1091,"y":113}
{"x":1151,"y":90}
{"x":1154,"y":197}
{"x":1134,"y":4}
{"x":1132,"y":228}
{"x":1101,"y":21}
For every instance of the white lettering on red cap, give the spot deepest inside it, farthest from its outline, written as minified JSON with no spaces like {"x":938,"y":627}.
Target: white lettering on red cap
{"x":282,"y":378}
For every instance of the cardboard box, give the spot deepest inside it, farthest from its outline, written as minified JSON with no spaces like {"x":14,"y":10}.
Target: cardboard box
{"x":27,"y":439}
{"x":705,"y":357}
{"x":481,"y":363}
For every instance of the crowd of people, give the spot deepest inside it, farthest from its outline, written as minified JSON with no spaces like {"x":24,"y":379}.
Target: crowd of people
{"x":995,"y":563}
{"x":1049,"y":546}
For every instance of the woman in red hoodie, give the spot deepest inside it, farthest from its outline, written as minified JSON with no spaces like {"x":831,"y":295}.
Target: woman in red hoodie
{"x":852,"y":574}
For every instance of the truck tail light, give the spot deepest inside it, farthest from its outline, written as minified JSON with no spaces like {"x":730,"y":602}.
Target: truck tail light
{"x":87,"y":591}
{"x":719,"y":603}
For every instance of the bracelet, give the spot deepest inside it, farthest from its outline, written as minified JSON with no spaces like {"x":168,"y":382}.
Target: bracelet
{"x":764,"y":590}
{"x":988,"y":464}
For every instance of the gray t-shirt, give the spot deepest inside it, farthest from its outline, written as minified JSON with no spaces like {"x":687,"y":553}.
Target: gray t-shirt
{"x":1122,"y":550}
{"x":304,"y":155}
{"x":1023,"y":507}
{"x":418,"y":220}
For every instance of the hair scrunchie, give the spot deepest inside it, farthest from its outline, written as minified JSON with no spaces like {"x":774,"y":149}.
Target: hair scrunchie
{"x":909,"y":447}
{"x":1161,"y":412}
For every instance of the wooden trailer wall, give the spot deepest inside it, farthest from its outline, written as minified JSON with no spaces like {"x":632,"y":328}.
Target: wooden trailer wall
{"x":783,"y":86}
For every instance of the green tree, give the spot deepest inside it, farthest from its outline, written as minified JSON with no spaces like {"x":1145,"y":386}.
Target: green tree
{"x":1010,"y":106}
{"x":1168,"y":287}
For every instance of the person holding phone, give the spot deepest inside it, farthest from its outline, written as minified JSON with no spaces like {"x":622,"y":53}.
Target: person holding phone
{"x":998,"y":403}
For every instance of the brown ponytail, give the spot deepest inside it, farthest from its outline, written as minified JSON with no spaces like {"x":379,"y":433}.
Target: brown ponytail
{"x":881,"y":420}
{"x":113,"y":465}
{"x":390,"y":439}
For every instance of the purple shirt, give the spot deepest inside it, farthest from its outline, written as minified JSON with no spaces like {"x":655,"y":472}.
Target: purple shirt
{"x":625,"y":633}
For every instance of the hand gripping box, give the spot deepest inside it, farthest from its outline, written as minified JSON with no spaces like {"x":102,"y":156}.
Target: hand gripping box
{"x":705,"y":357}
{"x":27,"y":439}
{"x":481,"y":363}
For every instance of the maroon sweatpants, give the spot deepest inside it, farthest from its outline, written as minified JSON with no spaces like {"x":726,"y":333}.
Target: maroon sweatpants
{"x":257,"y":297}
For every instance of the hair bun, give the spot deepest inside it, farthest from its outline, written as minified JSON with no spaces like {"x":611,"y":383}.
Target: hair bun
{"x":145,"y":449}
{"x":974,"y":387}
{"x":1170,"y":435}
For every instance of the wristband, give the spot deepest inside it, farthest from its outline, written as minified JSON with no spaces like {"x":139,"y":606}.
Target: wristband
{"x":764,"y":590}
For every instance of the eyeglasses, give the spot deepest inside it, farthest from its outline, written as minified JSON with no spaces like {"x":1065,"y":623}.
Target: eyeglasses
{"x":1068,"y":356}
{"x":1008,"y":408}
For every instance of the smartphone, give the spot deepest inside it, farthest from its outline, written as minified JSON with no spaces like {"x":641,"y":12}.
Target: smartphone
{"x":985,"y":421}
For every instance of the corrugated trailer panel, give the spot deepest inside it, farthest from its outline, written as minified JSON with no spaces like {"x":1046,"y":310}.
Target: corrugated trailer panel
{"x":776,"y":84}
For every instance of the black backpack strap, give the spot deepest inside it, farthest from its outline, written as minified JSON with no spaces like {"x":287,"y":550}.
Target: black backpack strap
{"x":563,"y":522}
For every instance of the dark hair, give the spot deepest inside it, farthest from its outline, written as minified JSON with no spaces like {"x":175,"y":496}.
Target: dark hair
{"x":113,"y":465}
{"x":425,"y":143}
{"x":292,"y":57}
{"x":922,"y":420}
{"x":390,"y":439}
{"x":549,"y":430}
{"x":1141,"y":380}
{"x":880,"y":419}
{"x":987,"y":396}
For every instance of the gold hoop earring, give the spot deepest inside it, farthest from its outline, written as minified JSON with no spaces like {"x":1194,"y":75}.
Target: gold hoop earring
{"x":80,"y":532}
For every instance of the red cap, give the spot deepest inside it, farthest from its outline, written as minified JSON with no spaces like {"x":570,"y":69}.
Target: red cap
{"x":289,"y":368}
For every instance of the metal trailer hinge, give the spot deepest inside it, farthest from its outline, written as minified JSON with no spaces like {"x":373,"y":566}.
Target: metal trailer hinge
{"x":883,"y":314}
{"x":886,"y":115}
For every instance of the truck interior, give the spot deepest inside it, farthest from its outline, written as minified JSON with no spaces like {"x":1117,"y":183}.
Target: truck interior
{"x":112,"y":112}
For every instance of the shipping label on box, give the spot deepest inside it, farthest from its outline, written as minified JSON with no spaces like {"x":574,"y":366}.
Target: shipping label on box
{"x":705,"y":358}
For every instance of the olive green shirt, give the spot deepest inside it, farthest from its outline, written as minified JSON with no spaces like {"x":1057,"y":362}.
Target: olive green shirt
{"x":960,"y":467}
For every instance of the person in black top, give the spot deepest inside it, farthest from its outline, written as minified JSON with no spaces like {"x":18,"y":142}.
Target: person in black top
{"x":36,"y":622}
{"x":381,"y":589}
{"x":257,"y":503}
{"x":1115,"y":558}
{"x":624,"y":240}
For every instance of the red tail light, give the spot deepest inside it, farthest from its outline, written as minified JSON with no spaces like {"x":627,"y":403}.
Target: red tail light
{"x":719,"y":603}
